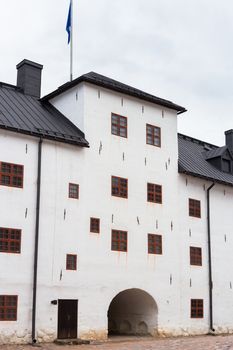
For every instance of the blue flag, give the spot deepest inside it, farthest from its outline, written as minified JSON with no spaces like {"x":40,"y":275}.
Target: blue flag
{"x":68,"y":24}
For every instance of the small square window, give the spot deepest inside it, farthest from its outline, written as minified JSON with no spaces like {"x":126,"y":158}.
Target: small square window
{"x":195,"y":256}
{"x":119,"y":125}
{"x":10,"y":240}
{"x":153,"y":135}
{"x":154,"y":193}
{"x":71,"y":262}
{"x":73,"y":191}
{"x":154,"y":244}
{"x":95,"y":225}
{"x":194,"y":208}
{"x":119,"y":240}
{"x":8,"y":307}
{"x":11,"y":175}
{"x":119,"y":187}
{"x":197,"y":308}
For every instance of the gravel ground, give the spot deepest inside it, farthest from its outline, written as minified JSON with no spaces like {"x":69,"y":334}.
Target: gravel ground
{"x":137,"y":343}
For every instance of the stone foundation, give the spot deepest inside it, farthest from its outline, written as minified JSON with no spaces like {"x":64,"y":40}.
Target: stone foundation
{"x":178,"y":332}
{"x":94,"y":335}
{"x":15,"y":337}
{"x":48,"y":335}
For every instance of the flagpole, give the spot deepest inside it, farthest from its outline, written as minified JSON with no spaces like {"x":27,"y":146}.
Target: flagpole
{"x":71,"y":42}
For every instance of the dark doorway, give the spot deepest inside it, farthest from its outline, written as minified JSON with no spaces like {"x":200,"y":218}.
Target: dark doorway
{"x":132,"y":312}
{"x":67,"y":319}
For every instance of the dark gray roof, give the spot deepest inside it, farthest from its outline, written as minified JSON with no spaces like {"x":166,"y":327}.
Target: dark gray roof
{"x":101,"y":80}
{"x":192,"y":160}
{"x":216,"y":152}
{"x":28,"y":115}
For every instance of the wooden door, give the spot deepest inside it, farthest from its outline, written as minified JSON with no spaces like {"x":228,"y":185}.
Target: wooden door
{"x":67,"y":319}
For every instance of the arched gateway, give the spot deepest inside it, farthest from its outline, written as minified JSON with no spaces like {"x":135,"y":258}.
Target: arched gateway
{"x":133,"y":311}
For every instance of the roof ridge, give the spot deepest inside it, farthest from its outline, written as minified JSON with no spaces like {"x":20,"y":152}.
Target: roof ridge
{"x":7,"y":85}
{"x":126,"y":85}
{"x":114,"y":85}
{"x":194,"y":140}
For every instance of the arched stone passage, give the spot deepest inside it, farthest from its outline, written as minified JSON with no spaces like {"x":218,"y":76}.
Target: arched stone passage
{"x":133,"y":312}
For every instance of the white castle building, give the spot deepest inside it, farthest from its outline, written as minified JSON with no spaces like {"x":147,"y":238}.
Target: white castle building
{"x":110,"y":221}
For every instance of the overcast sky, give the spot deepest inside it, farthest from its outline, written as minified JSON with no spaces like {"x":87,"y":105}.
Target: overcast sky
{"x":179,"y":50}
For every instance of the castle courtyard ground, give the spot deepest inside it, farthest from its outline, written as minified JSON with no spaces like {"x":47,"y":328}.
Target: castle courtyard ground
{"x":137,"y":343}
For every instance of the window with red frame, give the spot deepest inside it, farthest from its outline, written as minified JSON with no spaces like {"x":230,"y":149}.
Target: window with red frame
{"x":73,"y":191}
{"x":119,"y":125}
{"x":194,"y":208}
{"x":8,"y":307}
{"x":119,"y":240}
{"x":153,"y":135}
{"x":154,"y":244}
{"x":10,"y":240}
{"x":71,"y":262}
{"x":195,"y":256}
{"x":11,"y":175}
{"x":119,"y":187}
{"x":154,"y":193}
{"x":95,"y":225}
{"x":197,"y":310}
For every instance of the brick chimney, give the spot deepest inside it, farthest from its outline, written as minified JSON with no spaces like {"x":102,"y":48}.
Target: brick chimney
{"x":229,"y":139}
{"x":29,"y":77}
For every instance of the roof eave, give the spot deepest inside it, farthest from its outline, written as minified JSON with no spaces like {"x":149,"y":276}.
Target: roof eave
{"x":163,"y":103}
{"x":44,"y":136}
{"x":86,"y":79}
{"x":181,"y":170}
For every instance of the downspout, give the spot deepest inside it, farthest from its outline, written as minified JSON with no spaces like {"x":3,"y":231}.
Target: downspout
{"x":36,"y":243}
{"x":210,"y":262}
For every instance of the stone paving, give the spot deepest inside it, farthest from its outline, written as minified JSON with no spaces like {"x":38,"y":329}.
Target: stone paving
{"x":137,"y":343}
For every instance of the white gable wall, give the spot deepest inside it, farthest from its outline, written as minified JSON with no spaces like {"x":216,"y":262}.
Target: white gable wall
{"x":102,"y":270}
{"x":71,"y":104}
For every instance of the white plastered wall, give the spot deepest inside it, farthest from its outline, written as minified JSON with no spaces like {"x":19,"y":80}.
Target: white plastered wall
{"x":101,"y":270}
{"x":193,"y":232}
{"x":17,"y":210}
{"x":65,"y":223}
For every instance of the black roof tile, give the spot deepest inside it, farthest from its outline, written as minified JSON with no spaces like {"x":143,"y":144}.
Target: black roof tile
{"x":105,"y":82}
{"x":28,"y":115}
{"x":192,"y":160}
{"x":216,"y":152}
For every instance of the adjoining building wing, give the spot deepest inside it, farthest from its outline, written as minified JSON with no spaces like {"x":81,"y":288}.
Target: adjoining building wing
{"x":201,"y":159}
